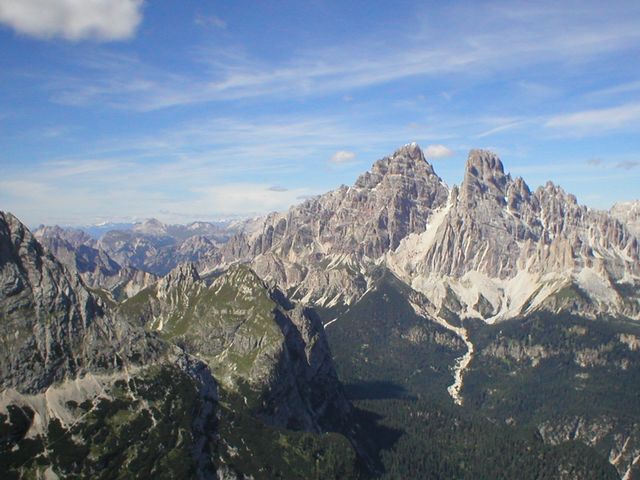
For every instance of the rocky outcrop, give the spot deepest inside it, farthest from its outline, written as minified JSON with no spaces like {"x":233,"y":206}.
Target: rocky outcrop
{"x":52,"y":327}
{"x":621,"y":441}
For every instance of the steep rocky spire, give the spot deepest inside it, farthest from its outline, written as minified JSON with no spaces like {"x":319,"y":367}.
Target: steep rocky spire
{"x":484,"y":177}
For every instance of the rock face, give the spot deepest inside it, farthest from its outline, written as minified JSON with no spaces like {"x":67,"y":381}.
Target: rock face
{"x":53,"y":327}
{"x":500,"y":246}
{"x":392,"y":200}
{"x":68,"y":369}
{"x":256,"y":342}
{"x":622,"y":439}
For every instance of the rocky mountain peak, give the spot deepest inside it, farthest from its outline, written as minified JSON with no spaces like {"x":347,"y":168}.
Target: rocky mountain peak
{"x":407,"y":164}
{"x":484,"y":161}
{"x":241,"y":278}
{"x":411,"y":151}
{"x":185,"y":271}
{"x":73,"y":236}
{"x":484,"y":177}
{"x":555,"y":198}
{"x":20,"y":258}
{"x":184,"y":275}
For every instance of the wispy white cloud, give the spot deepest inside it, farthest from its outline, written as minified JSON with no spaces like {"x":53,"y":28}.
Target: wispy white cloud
{"x":536,"y":91}
{"x":618,"y":89}
{"x":342,"y":156}
{"x":207,"y":169}
{"x":56,"y":131}
{"x":438,"y":151}
{"x":210,"y":21}
{"x":597,"y":120}
{"x":73,"y":19}
{"x":473,"y":47}
{"x":238,"y":199}
{"x":503,"y":125}
{"x":73,"y":168}
{"x":78,"y":204}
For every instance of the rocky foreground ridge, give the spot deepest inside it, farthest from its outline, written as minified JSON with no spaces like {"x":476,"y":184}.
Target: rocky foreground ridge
{"x":67,"y":366}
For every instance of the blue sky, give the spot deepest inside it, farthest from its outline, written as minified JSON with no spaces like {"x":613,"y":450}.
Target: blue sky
{"x":112,"y":110}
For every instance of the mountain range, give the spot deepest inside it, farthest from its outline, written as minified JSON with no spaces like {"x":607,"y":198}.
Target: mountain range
{"x":327,"y":328}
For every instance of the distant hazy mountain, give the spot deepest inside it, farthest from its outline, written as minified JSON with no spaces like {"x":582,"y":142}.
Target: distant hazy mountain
{"x":121,"y":259}
{"x":97,"y":230}
{"x":82,"y":254}
{"x":629,"y":214}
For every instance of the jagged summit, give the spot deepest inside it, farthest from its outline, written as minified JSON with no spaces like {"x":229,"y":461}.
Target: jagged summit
{"x":184,"y":271}
{"x":406,"y":164}
{"x":412,"y":150}
{"x":74,"y":236}
{"x":182,"y":276}
{"x":484,"y":160}
{"x":484,"y":176}
{"x":240,"y":274}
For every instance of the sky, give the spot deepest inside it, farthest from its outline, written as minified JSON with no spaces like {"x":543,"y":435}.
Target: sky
{"x":183,"y":110}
